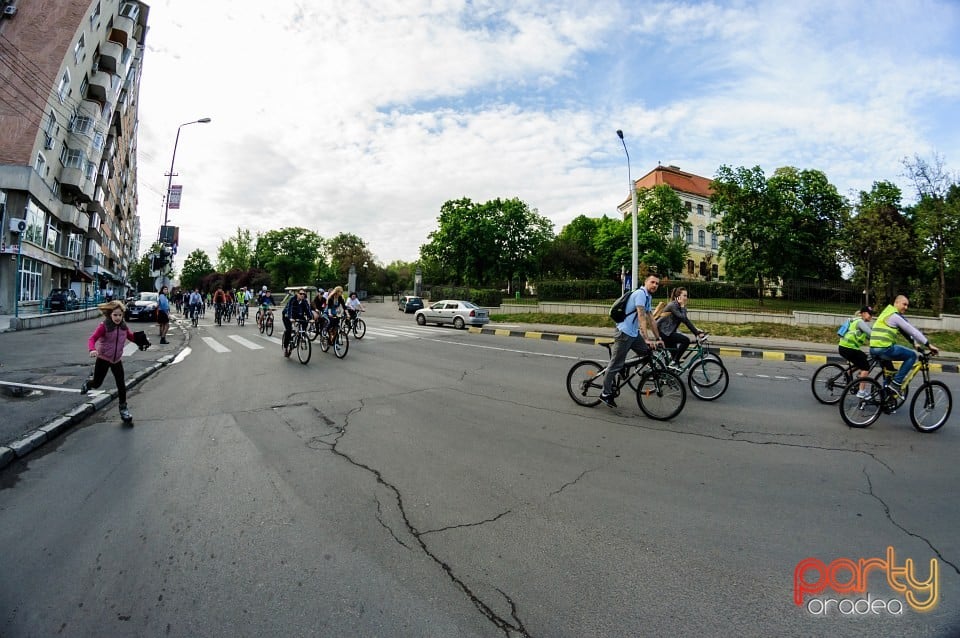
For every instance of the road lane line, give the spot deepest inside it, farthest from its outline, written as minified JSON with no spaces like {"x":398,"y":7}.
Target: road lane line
{"x":215,"y":345}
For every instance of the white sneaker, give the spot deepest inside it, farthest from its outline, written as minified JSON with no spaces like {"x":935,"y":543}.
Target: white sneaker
{"x":863,"y":394}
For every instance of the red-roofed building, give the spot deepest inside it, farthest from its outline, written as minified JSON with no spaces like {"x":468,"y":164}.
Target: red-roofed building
{"x":694,"y":192}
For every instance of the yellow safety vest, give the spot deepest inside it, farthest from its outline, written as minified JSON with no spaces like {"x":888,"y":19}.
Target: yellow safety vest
{"x":855,"y":337}
{"x":882,"y":335}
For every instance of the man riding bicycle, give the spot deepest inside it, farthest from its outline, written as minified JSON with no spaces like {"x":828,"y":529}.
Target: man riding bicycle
{"x":354,"y":306}
{"x":632,"y":334}
{"x":883,"y":341}
{"x":196,"y":302}
{"x":297,"y":309}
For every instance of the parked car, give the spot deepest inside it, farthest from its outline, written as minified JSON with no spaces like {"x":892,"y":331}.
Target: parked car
{"x":409,"y":303}
{"x":63,"y":299}
{"x":144,"y":308}
{"x":458,"y":313}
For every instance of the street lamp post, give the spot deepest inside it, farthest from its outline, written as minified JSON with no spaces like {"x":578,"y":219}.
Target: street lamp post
{"x":166,"y":207}
{"x":633,"y":209}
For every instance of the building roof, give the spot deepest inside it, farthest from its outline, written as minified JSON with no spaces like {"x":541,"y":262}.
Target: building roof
{"x":678,"y":180}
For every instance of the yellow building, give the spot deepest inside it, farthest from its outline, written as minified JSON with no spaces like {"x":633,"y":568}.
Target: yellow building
{"x":703,"y":246}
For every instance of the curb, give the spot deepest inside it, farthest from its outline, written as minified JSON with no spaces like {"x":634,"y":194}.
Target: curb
{"x":33,"y":439}
{"x":722,"y":351}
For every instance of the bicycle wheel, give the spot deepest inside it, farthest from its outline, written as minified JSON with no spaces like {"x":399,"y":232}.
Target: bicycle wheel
{"x":324,"y":339}
{"x":268,"y":325}
{"x":931,"y":406}
{"x":708,"y":379}
{"x":341,"y":343}
{"x":359,"y":328}
{"x":661,"y":395}
{"x":585,"y":383}
{"x":195,"y":320}
{"x":829,"y":382}
{"x":312,"y":331}
{"x":861,"y":411}
{"x":304,"y":348}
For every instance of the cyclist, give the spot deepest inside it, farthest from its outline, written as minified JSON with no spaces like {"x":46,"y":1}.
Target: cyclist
{"x":354,"y":307}
{"x":219,"y":300}
{"x":319,"y":303}
{"x":632,"y":334}
{"x":335,"y":307}
{"x":672,"y":315}
{"x":297,"y":309}
{"x":849,"y":346}
{"x":196,"y":301}
{"x":883,"y":341}
{"x":266,"y":300}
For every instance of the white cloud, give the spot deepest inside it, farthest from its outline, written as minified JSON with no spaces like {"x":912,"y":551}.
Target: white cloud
{"x":360,"y":117}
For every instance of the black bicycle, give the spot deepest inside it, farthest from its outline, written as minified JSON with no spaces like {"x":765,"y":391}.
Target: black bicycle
{"x":831,"y":379}
{"x":299,"y":341}
{"x":355,"y":324}
{"x":660,"y":393}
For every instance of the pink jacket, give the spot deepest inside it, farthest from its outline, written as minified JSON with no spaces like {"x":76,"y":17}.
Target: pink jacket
{"x":109,"y":343}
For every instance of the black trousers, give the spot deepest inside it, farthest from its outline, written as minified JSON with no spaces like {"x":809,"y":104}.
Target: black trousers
{"x":100,"y":369}
{"x":677,"y":341}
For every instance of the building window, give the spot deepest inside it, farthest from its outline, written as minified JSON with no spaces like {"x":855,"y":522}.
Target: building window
{"x":75,"y":249}
{"x":95,"y":14}
{"x":713,"y":241}
{"x":700,"y":209}
{"x":35,"y":224}
{"x":30,"y":274}
{"x":82,"y":124}
{"x":689,"y":266}
{"x":53,"y":236}
{"x":130,"y":10}
{"x":688,"y":207}
{"x":78,"y":49}
{"x":676,"y":231}
{"x":63,"y":89}
{"x":715,"y":269}
{"x":690,"y":235}
{"x":71,"y":158}
{"x":701,"y":238}
{"x":703,"y":269}
{"x":40,"y":165}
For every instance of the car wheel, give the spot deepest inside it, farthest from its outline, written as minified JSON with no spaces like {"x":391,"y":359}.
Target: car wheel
{"x":421,"y":320}
{"x":458,"y":323}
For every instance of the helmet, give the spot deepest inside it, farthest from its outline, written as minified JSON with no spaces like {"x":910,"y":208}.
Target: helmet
{"x":264,"y":289}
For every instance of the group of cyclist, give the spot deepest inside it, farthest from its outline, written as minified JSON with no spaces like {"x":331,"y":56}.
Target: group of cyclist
{"x":326,"y":308}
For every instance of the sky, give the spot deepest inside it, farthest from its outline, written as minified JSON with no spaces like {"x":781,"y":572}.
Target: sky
{"x":351,"y":116}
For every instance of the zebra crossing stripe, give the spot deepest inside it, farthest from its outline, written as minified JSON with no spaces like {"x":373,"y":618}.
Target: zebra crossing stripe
{"x":246,"y":343}
{"x":215,"y":345}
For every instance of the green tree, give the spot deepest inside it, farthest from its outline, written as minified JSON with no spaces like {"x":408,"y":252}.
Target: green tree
{"x":195,"y":267}
{"x":611,"y":244}
{"x":347,"y":250}
{"x":522,"y":234}
{"x":236,"y":253}
{"x":878,"y":241}
{"x":937,"y":215}
{"x":290,"y":255}
{"x":659,"y":210}
{"x":141,"y":274}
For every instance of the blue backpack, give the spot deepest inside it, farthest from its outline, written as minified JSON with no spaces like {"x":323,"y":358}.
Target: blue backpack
{"x":845,"y":327}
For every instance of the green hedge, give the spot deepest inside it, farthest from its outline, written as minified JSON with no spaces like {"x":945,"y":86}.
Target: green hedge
{"x":486,"y":297}
{"x":582,"y":289}
{"x":712,"y":289}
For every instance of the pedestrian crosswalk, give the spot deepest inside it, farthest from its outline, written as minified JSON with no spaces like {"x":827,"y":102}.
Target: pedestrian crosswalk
{"x":224,"y":343}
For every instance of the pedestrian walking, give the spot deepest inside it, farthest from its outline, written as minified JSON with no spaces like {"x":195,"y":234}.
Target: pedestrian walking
{"x":163,"y":314}
{"x":106,"y":344}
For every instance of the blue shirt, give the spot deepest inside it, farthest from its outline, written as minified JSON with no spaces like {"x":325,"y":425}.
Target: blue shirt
{"x":639,"y":298}
{"x":163,"y":303}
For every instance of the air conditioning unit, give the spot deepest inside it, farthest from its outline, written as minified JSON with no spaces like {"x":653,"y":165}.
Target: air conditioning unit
{"x":9,"y":11}
{"x":18,"y":225}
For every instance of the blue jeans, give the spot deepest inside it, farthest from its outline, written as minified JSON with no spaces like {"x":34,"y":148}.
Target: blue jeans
{"x":897,"y":353}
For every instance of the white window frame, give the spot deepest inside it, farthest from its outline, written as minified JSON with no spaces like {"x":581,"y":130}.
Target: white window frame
{"x":95,"y":14}
{"x":63,"y":89}
{"x":701,"y":238}
{"x":40,"y":165}
{"x":31,"y":273}
{"x":79,"y":48}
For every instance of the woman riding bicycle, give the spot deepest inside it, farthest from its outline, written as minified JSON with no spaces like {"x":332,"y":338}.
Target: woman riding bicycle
{"x":335,"y":307}
{"x":669,"y":322}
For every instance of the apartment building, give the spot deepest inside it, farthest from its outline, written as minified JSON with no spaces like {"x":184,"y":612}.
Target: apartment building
{"x":69,"y":85}
{"x":703,"y":262}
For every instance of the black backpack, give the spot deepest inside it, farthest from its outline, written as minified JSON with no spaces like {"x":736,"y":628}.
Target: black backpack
{"x":618,"y":311}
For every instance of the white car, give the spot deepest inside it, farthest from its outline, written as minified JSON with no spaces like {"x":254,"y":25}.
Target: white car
{"x":458,"y":313}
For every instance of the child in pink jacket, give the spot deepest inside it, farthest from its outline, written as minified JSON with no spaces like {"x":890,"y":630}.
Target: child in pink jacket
{"x":106,"y":344}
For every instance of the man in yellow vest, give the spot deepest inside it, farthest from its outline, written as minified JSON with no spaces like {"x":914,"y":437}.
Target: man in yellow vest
{"x":883,"y":339}
{"x":849,"y":347}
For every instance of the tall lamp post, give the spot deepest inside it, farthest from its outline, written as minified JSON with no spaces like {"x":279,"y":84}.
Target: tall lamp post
{"x":166,"y":207}
{"x":633,"y":209}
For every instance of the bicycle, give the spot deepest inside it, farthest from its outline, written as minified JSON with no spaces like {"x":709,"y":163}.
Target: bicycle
{"x":299,"y":341}
{"x":661,"y":394}
{"x":929,"y":409}
{"x":218,"y":314}
{"x":355,"y":324}
{"x":265,"y":322}
{"x":241,"y":314}
{"x":194,"y":315}
{"x":830,"y":380}
{"x":707,"y":377}
{"x":340,"y":341}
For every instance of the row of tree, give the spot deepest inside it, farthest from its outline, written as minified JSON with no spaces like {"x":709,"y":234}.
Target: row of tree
{"x":792,"y":225}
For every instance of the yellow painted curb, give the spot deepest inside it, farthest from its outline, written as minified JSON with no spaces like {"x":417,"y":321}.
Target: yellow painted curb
{"x":500,"y":332}
{"x":773,"y":356}
{"x":730,"y":352}
{"x":816,"y":358}
{"x":533,"y":335}
{"x":567,"y":338}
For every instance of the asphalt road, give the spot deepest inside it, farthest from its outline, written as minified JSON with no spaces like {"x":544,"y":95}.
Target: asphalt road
{"x":441,"y":483}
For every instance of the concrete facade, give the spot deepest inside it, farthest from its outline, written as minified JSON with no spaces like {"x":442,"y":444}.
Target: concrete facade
{"x":68,"y":156}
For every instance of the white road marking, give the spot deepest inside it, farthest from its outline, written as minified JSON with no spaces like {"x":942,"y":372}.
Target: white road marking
{"x":46,"y":387}
{"x":215,"y":345}
{"x":246,"y":343}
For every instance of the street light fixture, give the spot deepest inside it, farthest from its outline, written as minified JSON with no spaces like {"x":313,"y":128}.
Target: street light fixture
{"x":166,"y":207}
{"x":633,"y":206}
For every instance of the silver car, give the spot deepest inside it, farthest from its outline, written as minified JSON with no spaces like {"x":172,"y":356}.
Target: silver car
{"x":459,"y":313}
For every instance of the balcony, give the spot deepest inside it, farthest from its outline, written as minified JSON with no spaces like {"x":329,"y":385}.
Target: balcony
{"x":111,"y":56}
{"x":124,"y":28}
{"x":100,"y":87}
{"x":75,"y":186}
{"x":93,"y":230}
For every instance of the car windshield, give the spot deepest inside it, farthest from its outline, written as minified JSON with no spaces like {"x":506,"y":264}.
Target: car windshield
{"x":148,"y":296}
{"x":467,"y":304}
